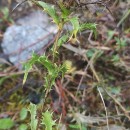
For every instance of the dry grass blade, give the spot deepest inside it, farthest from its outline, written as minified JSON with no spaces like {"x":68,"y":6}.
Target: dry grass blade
{"x":18,"y":5}
{"x":104,"y":107}
{"x":14,"y":73}
{"x":118,"y":103}
{"x":4,"y":61}
{"x":88,"y":119}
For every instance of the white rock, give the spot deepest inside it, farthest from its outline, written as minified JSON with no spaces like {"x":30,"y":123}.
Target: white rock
{"x":31,"y":33}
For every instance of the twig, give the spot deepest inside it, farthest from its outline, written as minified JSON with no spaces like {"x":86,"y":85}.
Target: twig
{"x":74,"y":49}
{"x":15,"y":73}
{"x":126,"y":14}
{"x":90,"y":63}
{"x":104,"y":107}
{"x":118,"y":103}
{"x":19,"y":5}
{"x":71,"y":95}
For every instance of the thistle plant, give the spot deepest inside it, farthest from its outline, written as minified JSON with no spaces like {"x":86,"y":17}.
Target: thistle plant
{"x":61,"y":17}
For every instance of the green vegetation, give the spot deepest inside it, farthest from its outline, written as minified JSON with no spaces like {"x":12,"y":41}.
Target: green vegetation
{"x":54,"y":70}
{"x":96,"y":72}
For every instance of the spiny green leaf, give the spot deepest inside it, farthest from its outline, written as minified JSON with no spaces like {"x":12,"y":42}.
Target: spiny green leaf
{"x":51,"y":77}
{"x":33,"y":111}
{"x":47,"y":120}
{"x":90,"y":26}
{"x":6,"y":123}
{"x":47,"y":64}
{"x":62,"y":40}
{"x":23,"y":127}
{"x":52,"y":71}
{"x":28,"y":66}
{"x":65,"y":12}
{"x":75,"y":22}
{"x":23,"y":113}
{"x":50,"y":10}
{"x":85,"y":26}
{"x":47,"y":82}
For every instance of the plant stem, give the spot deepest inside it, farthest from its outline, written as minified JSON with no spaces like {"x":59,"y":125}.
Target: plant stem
{"x":55,"y":45}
